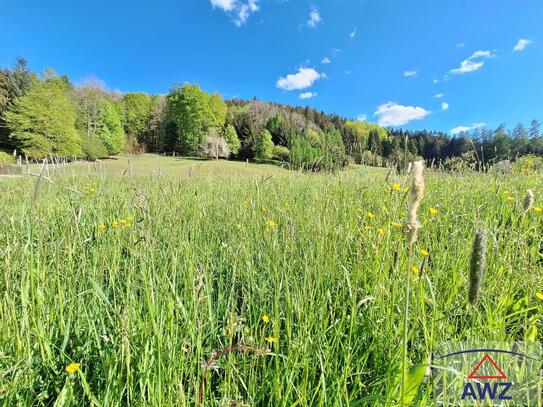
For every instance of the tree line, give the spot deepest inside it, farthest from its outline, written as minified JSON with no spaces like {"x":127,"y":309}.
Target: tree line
{"x":47,"y":115}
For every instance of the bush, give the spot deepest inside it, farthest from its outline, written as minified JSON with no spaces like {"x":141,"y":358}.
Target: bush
{"x":281,"y":153}
{"x":232,"y":139}
{"x":5,"y":159}
{"x":214,"y":147}
{"x":263,"y":147}
{"x":93,"y":148}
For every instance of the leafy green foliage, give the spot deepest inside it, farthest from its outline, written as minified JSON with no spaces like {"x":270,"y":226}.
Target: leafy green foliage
{"x":263,"y":147}
{"x":232,"y":139}
{"x":43,"y":121}
{"x":137,"y":110}
{"x":194,"y":112}
{"x":111,"y":131}
{"x":5,"y":158}
{"x":93,"y":147}
{"x":280,"y":153}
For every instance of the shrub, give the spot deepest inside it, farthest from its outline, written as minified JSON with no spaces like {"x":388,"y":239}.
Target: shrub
{"x":93,"y":148}
{"x":232,"y":139}
{"x":280,"y":153}
{"x":214,"y":147}
{"x":5,"y":159}
{"x":263,"y":147}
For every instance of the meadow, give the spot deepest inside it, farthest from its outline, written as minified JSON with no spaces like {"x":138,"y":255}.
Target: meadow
{"x":231,"y":284}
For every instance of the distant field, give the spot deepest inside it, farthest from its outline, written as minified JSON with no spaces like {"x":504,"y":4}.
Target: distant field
{"x":152,"y":164}
{"x":251,"y":285}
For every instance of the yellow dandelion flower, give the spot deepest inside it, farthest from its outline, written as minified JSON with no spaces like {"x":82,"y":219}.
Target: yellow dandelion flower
{"x":265,"y":318}
{"x":101,"y":227}
{"x":510,"y":198}
{"x":130,"y":219}
{"x":370,"y":215}
{"x":397,"y":187}
{"x":396,"y":224}
{"x":272,"y":339}
{"x":537,"y":209}
{"x":425,"y":253}
{"x":381,"y":231}
{"x":114,"y":224}
{"x":271,"y":224}
{"x":406,"y":189}
{"x":415,"y":270}
{"x":432,"y":211}
{"x":72,"y":368}
{"x":539,"y":296}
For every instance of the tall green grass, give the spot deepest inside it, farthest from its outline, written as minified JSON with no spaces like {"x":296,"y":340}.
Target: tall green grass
{"x":166,"y":308}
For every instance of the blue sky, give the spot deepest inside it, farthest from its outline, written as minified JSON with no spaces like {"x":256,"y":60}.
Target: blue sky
{"x":434,"y":64}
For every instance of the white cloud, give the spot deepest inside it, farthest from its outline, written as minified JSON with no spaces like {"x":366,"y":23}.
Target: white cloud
{"x":444,"y":106}
{"x":307,"y":95}
{"x":240,"y":10}
{"x":352,"y":34}
{"x":336,"y":52}
{"x":435,"y":81}
{"x":304,"y":78}
{"x":409,"y":74}
{"x":464,"y":129}
{"x":326,"y":60}
{"x":521,"y":44}
{"x":226,"y":5}
{"x":469,"y":65}
{"x":439,"y":95}
{"x":362,"y":117}
{"x":393,"y":114}
{"x":314,"y":17}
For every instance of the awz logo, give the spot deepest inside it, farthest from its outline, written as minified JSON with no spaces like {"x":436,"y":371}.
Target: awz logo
{"x":482,"y":391}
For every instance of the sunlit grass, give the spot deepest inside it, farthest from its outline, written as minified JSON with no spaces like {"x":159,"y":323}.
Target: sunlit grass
{"x":278,"y":290}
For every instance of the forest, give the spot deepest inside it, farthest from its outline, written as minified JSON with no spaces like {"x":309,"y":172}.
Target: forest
{"x":47,"y":115}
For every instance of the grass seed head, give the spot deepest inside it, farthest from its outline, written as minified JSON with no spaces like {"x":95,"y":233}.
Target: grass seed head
{"x":529,"y":200}
{"x":416,"y":192}
{"x":477,"y":265}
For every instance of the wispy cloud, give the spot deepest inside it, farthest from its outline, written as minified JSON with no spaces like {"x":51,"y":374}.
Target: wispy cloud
{"x":465,"y":129}
{"x":314,"y":17}
{"x":444,"y":106}
{"x":439,"y":95}
{"x":410,"y":74}
{"x":460,"y":45}
{"x":472,"y":63}
{"x":336,"y":52}
{"x":239,"y":10}
{"x":352,"y":34}
{"x":435,"y":81}
{"x":394,"y":114}
{"x":521,"y":44}
{"x":304,"y":78}
{"x":325,"y":60}
{"x":307,"y":95}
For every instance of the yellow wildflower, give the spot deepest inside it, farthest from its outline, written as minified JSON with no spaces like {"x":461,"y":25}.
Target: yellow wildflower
{"x":271,"y":224}
{"x":396,"y":224}
{"x":510,"y":199}
{"x":425,"y":253}
{"x":537,"y":209}
{"x":415,"y":270}
{"x":381,"y":231}
{"x":397,"y":187}
{"x":101,"y":227}
{"x":539,"y":296}
{"x":370,"y":215}
{"x":130,"y":219}
{"x":432,"y":211}
{"x":114,"y":224}
{"x":72,"y":368}
{"x":406,"y":189}
{"x":265,"y":318}
{"x":272,"y":339}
